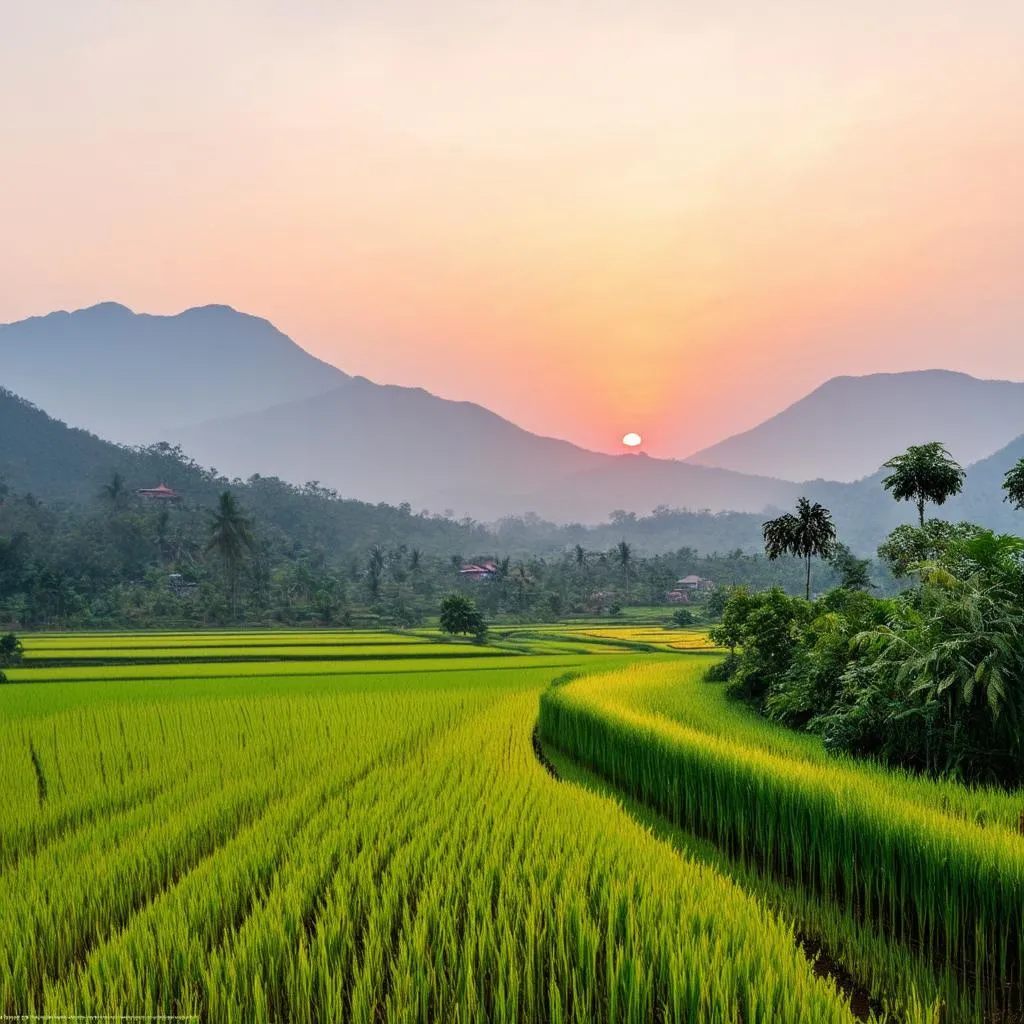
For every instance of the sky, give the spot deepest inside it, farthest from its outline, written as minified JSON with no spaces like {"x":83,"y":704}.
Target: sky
{"x":592,"y":216}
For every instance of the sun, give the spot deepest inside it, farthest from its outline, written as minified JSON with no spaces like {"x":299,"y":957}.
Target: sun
{"x":631,"y":440}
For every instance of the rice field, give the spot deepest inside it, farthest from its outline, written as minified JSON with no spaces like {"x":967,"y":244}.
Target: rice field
{"x":917,"y":885}
{"x":224,"y":841}
{"x":356,"y":826}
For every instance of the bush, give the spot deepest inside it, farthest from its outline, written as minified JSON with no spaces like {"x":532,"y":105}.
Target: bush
{"x":683,"y":617}
{"x":722,"y":671}
{"x":10,"y":650}
{"x":459,"y":615}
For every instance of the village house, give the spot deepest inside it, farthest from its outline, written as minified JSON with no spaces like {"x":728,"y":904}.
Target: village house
{"x":688,"y":588}
{"x":159,"y":493}
{"x":478,"y":571}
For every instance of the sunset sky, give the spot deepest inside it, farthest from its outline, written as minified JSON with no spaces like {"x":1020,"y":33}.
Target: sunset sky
{"x":671,"y":217}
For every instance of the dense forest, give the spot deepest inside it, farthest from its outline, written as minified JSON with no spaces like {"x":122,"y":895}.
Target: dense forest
{"x":262,"y":551}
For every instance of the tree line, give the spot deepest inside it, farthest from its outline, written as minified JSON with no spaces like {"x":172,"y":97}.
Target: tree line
{"x":931,"y":679}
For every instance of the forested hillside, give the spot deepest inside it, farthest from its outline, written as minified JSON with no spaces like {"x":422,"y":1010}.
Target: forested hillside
{"x":79,"y":546}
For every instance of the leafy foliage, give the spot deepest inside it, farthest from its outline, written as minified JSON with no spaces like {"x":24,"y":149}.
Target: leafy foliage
{"x":1013,"y":484}
{"x":460,"y":615}
{"x":808,"y":533}
{"x":924,"y":473}
{"x":931,"y":680}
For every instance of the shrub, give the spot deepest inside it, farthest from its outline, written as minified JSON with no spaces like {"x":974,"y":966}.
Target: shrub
{"x":10,"y":650}
{"x":460,"y":615}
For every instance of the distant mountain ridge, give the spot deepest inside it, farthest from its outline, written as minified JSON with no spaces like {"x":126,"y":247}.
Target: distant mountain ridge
{"x":243,"y":397}
{"x":134,"y":377}
{"x":404,"y":444}
{"x":845,"y":429}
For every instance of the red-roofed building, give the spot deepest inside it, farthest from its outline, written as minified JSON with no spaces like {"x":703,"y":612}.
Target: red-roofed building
{"x":478,"y":571}
{"x":160,"y":493}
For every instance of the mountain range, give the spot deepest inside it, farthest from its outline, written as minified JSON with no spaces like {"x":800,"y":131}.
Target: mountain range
{"x":845,"y":429}
{"x":240,"y":395}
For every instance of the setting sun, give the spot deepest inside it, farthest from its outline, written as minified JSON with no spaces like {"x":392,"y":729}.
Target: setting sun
{"x":631,"y":440}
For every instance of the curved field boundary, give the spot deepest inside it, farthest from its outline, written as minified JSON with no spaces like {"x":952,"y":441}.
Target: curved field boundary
{"x":948,"y":889}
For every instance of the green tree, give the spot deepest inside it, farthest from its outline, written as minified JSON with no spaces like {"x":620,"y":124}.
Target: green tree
{"x":1013,"y":484}
{"x":460,"y":615}
{"x":808,"y":534}
{"x":854,"y":573}
{"x":683,"y":617}
{"x":375,"y":570}
{"x":116,"y":492}
{"x":908,"y":546}
{"x":923,"y":473}
{"x":521,"y":580}
{"x":624,"y":556}
{"x":10,"y":650}
{"x":231,"y":538}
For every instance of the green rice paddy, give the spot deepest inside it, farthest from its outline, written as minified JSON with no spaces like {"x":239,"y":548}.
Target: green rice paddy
{"x":355,"y":826}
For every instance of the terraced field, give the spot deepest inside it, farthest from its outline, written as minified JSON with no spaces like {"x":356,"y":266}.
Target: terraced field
{"x":357,"y":826}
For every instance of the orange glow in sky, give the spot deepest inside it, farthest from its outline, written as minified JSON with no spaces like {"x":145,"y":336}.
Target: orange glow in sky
{"x":653,"y":216}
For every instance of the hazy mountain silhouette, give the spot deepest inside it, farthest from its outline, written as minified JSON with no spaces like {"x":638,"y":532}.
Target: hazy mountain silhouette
{"x":394,"y":444}
{"x":240,"y":395}
{"x":848,"y":427}
{"x":132,"y":377}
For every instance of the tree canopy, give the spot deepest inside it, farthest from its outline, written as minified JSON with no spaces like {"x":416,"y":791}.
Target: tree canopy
{"x":1013,"y":484}
{"x":460,"y":615}
{"x":924,"y":473}
{"x":807,"y":534}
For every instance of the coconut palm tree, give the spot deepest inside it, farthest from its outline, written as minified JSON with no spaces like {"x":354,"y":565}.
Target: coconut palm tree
{"x":375,"y":570}
{"x":924,"y":472}
{"x":521,"y":580}
{"x":231,"y":538}
{"x":115,"y":492}
{"x":624,"y":554}
{"x":807,"y":534}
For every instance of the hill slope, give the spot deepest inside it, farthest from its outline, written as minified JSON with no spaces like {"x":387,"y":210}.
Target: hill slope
{"x":44,"y":457}
{"x":132,"y":377}
{"x":240,"y":395}
{"x":849,"y":426}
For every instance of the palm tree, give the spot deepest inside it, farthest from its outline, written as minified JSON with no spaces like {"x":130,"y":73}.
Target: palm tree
{"x":522,"y":579}
{"x":808,"y":533}
{"x":115,"y":492}
{"x":375,"y":569}
{"x":231,"y":537}
{"x":624,"y":553}
{"x":924,"y":472}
